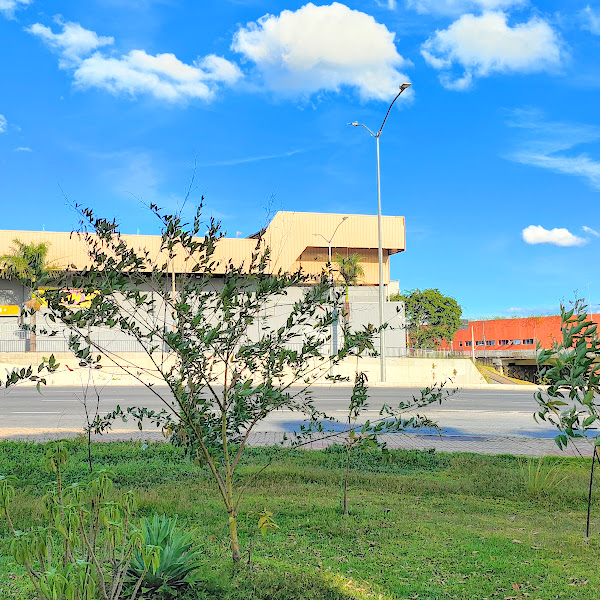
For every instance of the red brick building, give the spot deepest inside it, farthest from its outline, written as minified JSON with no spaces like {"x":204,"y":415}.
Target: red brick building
{"x":508,"y":334}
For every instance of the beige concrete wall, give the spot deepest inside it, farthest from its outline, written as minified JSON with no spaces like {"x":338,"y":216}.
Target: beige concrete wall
{"x":417,"y":372}
{"x":409,"y":372}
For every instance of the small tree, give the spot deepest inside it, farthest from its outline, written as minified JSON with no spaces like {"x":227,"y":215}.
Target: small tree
{"x":572,"y":370}
{"x":431,"y":317}
{"x":28,"y":264}
{"x":203,"y":335}
{"x":366,"y":437}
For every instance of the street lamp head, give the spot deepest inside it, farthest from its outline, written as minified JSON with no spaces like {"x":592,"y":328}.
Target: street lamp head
{"x":405,"y":86}
{"x":344,"y":218}
{"x":355,"y":124}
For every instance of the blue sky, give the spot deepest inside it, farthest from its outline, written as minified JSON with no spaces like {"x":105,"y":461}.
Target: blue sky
{"x":493,"y":155}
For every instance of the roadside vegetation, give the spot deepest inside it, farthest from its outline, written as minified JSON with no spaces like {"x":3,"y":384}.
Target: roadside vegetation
{"x":198,"y":321}
{"x":210,"y":517}
{"x":421,"y":524}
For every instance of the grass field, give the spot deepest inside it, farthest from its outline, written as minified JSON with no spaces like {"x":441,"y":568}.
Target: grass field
{"x":423,"y":526}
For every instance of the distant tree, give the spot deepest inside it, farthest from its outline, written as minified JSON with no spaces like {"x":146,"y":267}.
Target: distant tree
{"x":350,"y":269}
{"x":431,"y":317}
{"x":28,"y":263}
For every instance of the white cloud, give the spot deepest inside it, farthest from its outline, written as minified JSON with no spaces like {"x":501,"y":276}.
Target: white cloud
{"x":591,"y":20}
{"x":23,"y":149}
{"x":536,"y":234}
{"x":487,"y":44}
{"x":323,"y":48}
{"x":459,"y":7}
{"x":73,"y":43}
{"x":591,"y":231}
{"x":548,"y":143}
{"x":3,"y":123}
{"x":391,"y":4}
{"x":8,"y":7}
{"x":163,"y":76}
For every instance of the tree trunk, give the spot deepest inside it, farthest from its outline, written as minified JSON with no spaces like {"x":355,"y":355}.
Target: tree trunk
{"x":346,"y":474}
{"x":32,"y":335}
{"x":235,"y":544}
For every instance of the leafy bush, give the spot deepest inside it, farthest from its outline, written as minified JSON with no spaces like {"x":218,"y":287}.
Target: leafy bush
{"x":179,"y":558}
{"x":85,"y":549}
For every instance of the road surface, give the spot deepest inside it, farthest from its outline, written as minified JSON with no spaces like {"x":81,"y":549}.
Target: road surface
{"x":470,"y":412}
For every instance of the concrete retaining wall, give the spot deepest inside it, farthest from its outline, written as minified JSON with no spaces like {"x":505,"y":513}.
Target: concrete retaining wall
{"x":409,"y":372}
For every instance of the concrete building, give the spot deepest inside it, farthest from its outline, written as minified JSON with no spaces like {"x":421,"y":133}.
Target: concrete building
{"x":295,"y":240}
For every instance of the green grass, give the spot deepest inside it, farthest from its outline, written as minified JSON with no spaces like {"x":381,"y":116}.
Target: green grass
{"x":423,"y":525}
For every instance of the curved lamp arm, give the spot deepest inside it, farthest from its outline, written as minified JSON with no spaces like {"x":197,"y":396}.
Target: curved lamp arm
{"x":403,"y":87}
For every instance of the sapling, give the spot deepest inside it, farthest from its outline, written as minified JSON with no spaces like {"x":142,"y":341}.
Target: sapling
{"x":572,"y":371}
{"x":366,"y":437}
{"x":203,"y":335}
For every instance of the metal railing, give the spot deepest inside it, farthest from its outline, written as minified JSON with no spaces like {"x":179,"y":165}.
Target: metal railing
{"x":57,"y":345}
{"x":508,"y":353}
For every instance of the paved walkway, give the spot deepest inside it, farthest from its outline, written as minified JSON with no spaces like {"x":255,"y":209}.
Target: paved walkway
{"x":519,"y":446}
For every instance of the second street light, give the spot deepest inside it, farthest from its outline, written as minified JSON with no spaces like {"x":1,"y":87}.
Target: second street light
{"x":333,"y":343}
{"x":403,"y":87}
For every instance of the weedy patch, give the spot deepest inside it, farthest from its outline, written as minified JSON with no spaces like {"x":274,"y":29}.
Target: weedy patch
{"x":428,"y":526}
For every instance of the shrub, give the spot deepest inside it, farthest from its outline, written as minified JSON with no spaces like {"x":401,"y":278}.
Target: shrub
{"x":85,"y":549}
{"x":178,"y":560}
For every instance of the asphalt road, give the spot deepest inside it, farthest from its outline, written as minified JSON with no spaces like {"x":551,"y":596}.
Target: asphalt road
{"x":469,"y":412}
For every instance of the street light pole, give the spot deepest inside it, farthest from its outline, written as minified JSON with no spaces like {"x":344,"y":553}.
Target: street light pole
{"x":383,"y":377}
{"x":330,"y":240}
{"x":333,"y":343}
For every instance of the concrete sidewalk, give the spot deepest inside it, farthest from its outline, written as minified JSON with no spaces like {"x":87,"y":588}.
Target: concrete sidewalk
{"x":518,"y":446}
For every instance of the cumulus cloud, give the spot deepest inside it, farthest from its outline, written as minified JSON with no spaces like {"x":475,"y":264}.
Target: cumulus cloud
{"x":163,"y":76}
{"x":322,"y":48}
{"x":72,"y":43}
{"x":590,"y":20}
{"x":8,"y":7}
{"x":548,"y":145}
{"x":590,"y":231}
{"x":559,"y":236}
{"x":3,"y":123}
{"x":459,"y":7}
{"x":486,"y":44}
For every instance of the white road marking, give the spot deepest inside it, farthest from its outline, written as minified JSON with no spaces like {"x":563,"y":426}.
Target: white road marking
{"x":91,"y":399}
{"x":33,"y":412}
{"x":62,"y":400}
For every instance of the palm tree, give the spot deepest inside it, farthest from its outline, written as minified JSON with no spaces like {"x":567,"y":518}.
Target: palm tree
{"x":28,"y":263}
{"x":350,"y":270}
